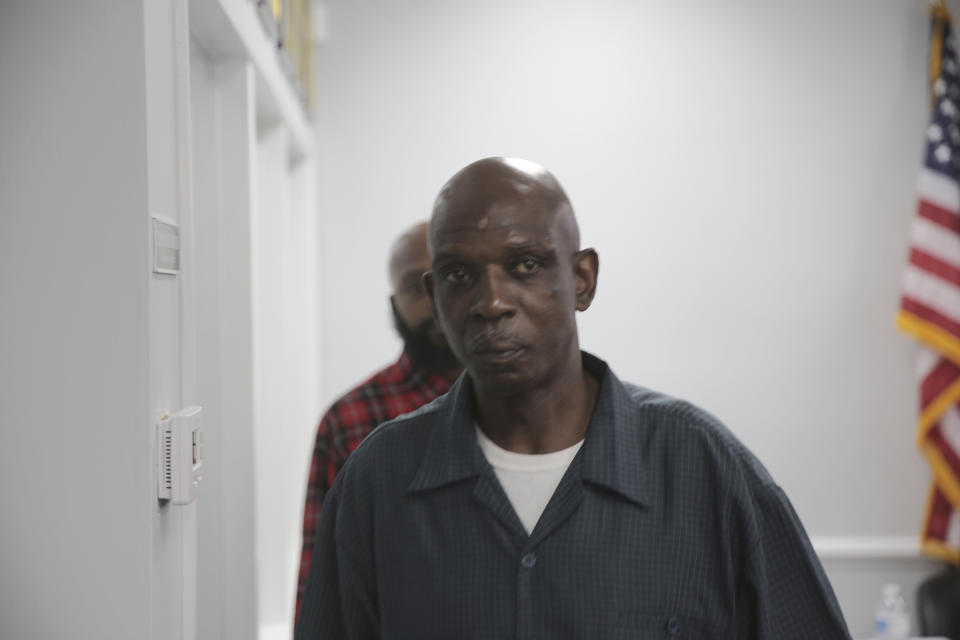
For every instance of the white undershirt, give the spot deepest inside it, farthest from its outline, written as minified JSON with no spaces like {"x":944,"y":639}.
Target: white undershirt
{"x":529,"y":480}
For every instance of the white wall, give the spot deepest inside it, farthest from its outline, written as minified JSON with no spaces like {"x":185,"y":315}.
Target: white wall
{"x":256,"y":319}
{"x":95,"y":114}
{"x":223,"y":124}
{"x":173,"y":528}
{"x":745,"y":169}
{"x":286,"y":382}
{"x":89,"y":342}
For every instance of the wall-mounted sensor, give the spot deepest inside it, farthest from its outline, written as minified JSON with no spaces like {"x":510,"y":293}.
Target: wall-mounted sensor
{"x":180,"y":446}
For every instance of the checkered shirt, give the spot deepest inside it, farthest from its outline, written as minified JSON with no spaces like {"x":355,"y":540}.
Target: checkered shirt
{"x":395,"y":390}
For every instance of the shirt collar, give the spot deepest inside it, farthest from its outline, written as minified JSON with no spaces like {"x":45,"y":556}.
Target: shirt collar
{"x":405,"y":363}
{"x":611,"y":455}
{"x":614,"y":451}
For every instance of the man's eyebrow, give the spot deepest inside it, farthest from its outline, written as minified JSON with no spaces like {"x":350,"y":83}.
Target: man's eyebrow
{"x":511,"y":248}
{"x":527,"y":245}
{"x":543,"y":251}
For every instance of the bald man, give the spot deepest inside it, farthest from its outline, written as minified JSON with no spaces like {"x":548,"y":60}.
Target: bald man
{"x":424,"y":371}
{"x":542,"y":497}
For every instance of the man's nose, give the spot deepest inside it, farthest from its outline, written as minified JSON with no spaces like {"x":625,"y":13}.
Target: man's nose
{"x":493,"y":295}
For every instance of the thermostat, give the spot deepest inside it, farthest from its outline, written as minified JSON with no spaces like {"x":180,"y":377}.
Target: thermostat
{"x":180,"y":446}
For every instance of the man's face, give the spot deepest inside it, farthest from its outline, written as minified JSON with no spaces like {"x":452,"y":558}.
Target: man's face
{"x":411,"y":303}
{"x":412,"y":309}
{"x":505,"y":289}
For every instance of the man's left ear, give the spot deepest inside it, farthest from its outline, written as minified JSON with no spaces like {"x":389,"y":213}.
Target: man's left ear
{"x":586,"y":264}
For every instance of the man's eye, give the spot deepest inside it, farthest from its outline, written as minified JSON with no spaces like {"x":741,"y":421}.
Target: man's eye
{"x":457,"y":276}
{"x":527,"y":266}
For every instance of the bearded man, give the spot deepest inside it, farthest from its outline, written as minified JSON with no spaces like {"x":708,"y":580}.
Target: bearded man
{"x":425,"y":370}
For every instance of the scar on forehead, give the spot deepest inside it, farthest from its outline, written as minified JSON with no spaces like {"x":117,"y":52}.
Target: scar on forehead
{"x":482,"y":223}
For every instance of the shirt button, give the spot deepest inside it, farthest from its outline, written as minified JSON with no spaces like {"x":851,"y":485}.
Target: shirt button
{"x":528,"y":560}
{"x":673,"y":626}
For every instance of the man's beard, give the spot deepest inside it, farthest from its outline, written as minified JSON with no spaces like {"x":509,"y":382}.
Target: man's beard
{"x":423,"y":351}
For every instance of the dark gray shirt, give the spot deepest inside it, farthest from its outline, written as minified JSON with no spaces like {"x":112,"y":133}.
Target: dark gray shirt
{"x":664,"y":526}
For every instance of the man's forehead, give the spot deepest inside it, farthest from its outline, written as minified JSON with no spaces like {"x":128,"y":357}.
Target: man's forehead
{"x":413,"y":265}
{"x":504,"y":214}
{"x":409,"y":253}
{"x":505,"y":230}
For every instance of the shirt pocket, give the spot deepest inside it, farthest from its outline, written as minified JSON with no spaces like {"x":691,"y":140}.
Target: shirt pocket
{"x":641,"y":625}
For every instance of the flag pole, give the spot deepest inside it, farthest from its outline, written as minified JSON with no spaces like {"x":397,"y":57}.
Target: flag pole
{"x":940,"y":15}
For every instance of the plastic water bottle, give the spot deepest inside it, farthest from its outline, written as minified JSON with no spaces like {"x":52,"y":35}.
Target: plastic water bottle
{"x":891,"y":618}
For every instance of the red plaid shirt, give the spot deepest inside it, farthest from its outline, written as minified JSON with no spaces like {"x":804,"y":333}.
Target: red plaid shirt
{"x":400,"y":388}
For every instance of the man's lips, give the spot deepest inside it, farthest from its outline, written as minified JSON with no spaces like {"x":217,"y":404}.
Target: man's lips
{"x":497,"y":349}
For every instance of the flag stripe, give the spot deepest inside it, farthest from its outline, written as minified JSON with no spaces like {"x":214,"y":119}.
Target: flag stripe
{"x":935,"y":240}
{"x":947,"y":219}
{"x":950,"y":428}
{"x":934,"y":266}
{"x":935,"y":437}
{"x":927,"y":360}
{"x":931,"y":316}
{"x":933,"y":293}
{"x":943,"y":475}
{"x":938,"y":512}
{"x":938,"y":189}
{"x":941,"y":527}
{"x":929,"y":334}
{"x":944,"y":374}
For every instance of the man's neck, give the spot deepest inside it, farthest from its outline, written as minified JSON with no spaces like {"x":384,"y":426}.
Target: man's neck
{"x":542,"y":420}
{"x":449,"y":373}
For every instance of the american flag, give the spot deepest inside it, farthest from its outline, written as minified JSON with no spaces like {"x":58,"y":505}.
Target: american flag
{"x":930,"y":307}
